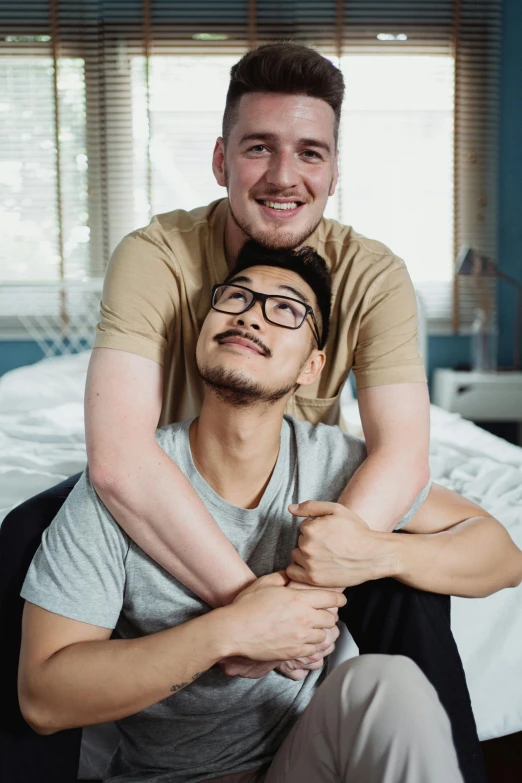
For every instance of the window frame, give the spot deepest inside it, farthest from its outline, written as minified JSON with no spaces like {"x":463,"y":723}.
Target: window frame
{"x":108,"y":167}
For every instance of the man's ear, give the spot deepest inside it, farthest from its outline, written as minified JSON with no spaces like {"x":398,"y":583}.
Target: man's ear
{"x":312,"y":368}
{"x":218,"y":162}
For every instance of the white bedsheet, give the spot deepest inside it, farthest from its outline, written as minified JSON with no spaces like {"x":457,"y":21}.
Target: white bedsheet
{"x":42,"y":442}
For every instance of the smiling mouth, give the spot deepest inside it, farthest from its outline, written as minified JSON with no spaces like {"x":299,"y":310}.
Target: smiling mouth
{"x":280,"y":206}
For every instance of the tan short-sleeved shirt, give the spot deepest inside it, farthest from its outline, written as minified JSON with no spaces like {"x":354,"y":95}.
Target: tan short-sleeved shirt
{"x":157,"y":291}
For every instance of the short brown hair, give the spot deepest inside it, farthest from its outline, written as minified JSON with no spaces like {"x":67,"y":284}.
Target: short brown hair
{"x":288,"y":68}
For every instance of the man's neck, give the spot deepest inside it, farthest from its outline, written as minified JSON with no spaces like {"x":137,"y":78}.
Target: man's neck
{"x":235,"y":449}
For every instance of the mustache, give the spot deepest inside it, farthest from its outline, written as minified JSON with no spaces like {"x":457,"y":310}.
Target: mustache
{"x":237,"y":333}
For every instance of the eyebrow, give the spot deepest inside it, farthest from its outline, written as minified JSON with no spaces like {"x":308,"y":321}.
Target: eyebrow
{"x":295,"y":291}
{"x":305,"y":142}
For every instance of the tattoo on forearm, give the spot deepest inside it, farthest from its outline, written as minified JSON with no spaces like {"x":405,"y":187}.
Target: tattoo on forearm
{"x":181,"y":685}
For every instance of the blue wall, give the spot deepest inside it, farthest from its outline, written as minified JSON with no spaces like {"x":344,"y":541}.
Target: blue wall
{"x":16,"y":353}
{"x":444,"y":351}
{"x":448,"y":350}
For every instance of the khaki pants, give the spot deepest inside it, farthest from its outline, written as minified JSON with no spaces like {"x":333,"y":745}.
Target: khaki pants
{"x":375,"y":719}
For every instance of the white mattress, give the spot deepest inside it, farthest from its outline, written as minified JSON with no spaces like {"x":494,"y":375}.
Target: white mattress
{"x":42,"y":442}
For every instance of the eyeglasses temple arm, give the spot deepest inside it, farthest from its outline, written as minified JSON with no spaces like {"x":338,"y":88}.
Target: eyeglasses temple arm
{"x":317,"y":335}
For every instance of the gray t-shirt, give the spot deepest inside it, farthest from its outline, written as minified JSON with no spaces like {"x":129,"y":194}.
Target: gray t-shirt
{"x":89,"y":570}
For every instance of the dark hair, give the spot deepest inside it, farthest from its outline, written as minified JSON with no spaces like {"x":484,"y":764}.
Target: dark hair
{"x":288,"y":68}
{"x":305,"y":262}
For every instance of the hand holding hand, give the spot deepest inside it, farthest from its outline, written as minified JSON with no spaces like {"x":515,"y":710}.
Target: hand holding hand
{"x":271,"y":624}
{"x":335,"y":547}
{"x":266,"y":617}
{"x":298,"y":668}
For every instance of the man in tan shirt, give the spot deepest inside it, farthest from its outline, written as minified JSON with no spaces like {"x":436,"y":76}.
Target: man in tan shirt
{"x":278,"y":160}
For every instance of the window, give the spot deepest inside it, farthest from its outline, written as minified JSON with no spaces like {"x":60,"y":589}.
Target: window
{"x":397,"y":158}
{"x":109,"y":113}
{"x":32,"y":222}
{"x":187,"y":98}
{"x":396,"y":148}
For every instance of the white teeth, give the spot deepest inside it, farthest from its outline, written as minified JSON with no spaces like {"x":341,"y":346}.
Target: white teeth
{"x":279,"y":205}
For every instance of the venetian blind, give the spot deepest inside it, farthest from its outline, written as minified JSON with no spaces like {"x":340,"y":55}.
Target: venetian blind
{"x":109,"y":111}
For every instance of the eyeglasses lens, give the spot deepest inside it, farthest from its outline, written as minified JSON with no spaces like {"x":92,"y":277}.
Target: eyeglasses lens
{"x":279,"y":310}
{"x":232,"y":299}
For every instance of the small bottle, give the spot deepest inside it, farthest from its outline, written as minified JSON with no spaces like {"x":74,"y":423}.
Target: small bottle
{"x":483,"y":343}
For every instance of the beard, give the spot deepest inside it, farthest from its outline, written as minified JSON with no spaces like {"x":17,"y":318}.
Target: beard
{"x":279,"y":238}
{"x":236,"y":389}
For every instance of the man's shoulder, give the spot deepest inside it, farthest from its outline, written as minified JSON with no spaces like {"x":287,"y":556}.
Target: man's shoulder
{"x":325,"y":440}
{"x":181,"y":225}
{"x":79,"y":569}
{"x":325,"y":459}
{"x":83,"y":503}
{"x":345,"y":248}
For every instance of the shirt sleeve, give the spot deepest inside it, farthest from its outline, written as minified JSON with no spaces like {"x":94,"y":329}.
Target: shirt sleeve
{"x":417,"y":503}
{"x":387,"y":344}
{"x":79,"y":570}
{"x":140,"y":298}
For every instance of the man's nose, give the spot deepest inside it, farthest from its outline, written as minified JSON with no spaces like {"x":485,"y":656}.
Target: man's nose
{"x":252,"y":319}
{"x":282,"y":172}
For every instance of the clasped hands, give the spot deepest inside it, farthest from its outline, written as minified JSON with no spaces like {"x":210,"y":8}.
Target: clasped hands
{"x":335,"y":547}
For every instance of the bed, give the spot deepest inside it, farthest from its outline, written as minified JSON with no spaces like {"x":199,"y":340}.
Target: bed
{"x":42,"y":442}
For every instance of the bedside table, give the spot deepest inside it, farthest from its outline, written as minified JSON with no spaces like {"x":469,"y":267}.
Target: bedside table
{"x":480,"y":396}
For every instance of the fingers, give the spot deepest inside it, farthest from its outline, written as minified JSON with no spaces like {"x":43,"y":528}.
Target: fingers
{"x":324,"y":619}
{"x":296,"y":674}
{"x":326,"y":647}
{"x":323,"y":649}
{"x":277,"y":579}
{"x":306,"y":661}
{"x":309,"y":649}
{"x":332,"y":634}
{"x":312,"y":508}
{"x":297,"y":557}
{"x":316,"y":665}
{"x":317,"y":656}
{"x":317,"y":637}
{"x":322,"y":599}
{"x":296,"y":573}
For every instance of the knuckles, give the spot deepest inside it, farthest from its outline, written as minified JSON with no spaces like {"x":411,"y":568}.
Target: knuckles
{"x":314,"y":576}
{"x":306,"y":549}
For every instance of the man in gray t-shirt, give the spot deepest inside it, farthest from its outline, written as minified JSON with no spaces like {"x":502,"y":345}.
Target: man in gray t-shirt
{"x":110,"y":635}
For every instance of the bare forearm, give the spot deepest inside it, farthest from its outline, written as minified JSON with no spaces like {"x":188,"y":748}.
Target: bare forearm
{"x":99,"y":681}
{"x":473,"y":559}
{"x":156,"y":505}
{"x":384,"y":488}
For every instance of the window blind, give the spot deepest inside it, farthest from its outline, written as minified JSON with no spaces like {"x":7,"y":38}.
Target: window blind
{"x":109,"y":110}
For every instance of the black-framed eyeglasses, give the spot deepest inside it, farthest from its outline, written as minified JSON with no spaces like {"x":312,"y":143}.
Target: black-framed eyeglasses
{"x":278,"y":310}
